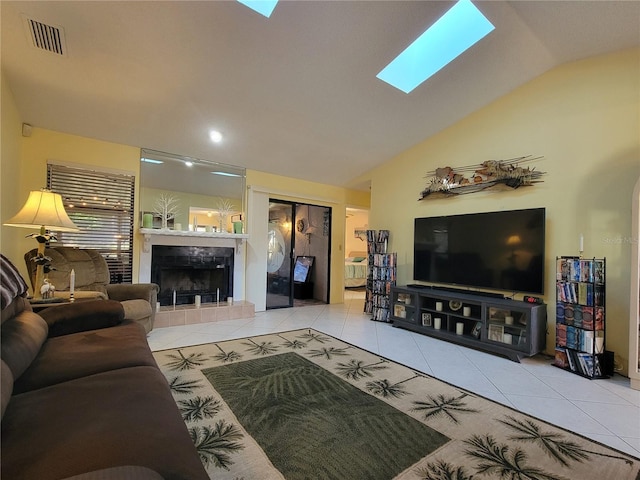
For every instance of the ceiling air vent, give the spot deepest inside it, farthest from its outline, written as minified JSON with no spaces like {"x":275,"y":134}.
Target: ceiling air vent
{"x":46,"y":37}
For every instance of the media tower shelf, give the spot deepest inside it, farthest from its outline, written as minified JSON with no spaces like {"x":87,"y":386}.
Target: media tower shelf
{"x":381,"y":275}
{"x":581,"y":317}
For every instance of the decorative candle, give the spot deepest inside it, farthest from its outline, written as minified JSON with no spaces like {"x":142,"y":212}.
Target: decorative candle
{"x":174,"y":298}
{"x":466,"y":311}
{"x":217,"y":295}
{"x":230,"y":300}
{"x":459,"y":328}
{"x":581,"y":243}
{"x":439,"y":306}
{"x":198,"y":299}
{"x":436,"y":323}
{"x":147,"y":220}
{"x":72,"y":284}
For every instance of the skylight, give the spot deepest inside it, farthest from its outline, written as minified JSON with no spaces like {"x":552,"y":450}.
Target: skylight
{"x":263,"y":7}
{"x":453,"y":33}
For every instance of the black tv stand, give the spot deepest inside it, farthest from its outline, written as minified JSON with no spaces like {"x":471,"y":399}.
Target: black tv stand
{"x":418,"y":286}
{"x":467,"y":292}
{"x":506,"y":327}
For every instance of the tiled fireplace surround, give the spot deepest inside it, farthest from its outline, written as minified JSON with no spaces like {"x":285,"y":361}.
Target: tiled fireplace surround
{"x":168,"y":315}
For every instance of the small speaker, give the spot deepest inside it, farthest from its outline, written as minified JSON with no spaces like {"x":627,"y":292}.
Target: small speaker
{"x":26,"y":130}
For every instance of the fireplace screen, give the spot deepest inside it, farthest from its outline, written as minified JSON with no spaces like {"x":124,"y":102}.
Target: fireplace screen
{"x":184,"y":272}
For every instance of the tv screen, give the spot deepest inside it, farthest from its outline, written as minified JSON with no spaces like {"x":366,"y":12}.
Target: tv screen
{"x":494,"y":250}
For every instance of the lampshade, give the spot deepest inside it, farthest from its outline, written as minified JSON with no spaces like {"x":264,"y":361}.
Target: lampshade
{"x":44,"y":208}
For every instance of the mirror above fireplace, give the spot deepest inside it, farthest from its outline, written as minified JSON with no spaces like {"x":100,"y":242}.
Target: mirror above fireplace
{"x":205,"y":194}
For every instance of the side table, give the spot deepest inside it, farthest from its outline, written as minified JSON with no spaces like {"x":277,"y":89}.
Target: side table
{"x":39,"y":305}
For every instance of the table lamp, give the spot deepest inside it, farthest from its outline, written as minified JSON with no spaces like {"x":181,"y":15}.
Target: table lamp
{"x":43,"y":210}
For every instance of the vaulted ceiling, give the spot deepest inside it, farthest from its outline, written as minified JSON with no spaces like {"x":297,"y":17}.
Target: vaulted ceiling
{"x":295,"y":94}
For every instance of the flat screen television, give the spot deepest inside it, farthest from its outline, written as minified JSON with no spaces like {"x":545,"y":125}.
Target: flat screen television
{"x":493,"y":250}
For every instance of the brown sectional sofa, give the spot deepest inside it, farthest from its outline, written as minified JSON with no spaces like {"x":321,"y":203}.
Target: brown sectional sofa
{"x":82,"y":396}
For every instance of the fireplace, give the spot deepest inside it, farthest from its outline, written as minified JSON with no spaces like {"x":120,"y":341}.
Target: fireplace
{"x":187,"y":271}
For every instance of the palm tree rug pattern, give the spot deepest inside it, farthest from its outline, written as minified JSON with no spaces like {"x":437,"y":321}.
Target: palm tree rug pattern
{"x":304,"y":405}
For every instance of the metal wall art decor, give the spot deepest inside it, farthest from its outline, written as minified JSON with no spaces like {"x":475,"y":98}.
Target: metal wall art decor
{"x":492,"y":174}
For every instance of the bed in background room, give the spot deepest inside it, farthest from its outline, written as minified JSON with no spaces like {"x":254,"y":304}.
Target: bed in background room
{"x":355,"y":270}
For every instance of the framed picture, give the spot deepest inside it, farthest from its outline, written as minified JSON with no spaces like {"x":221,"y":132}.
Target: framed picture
{"x":496,"y":332}
{"x":399,"y":311}
{"x":426,"y":319}
{"x":498,"y":314}
{"x":477,"y":328}
{"x":302,"y":268}
{"x":360,"y":233}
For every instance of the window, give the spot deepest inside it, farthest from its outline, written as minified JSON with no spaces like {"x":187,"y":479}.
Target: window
{"x":101,"y":205}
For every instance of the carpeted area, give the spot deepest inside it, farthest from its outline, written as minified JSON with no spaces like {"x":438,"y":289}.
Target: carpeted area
{"x":304,"y":405}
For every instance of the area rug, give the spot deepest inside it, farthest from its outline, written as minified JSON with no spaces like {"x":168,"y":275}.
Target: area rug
{"x":304,"y":405}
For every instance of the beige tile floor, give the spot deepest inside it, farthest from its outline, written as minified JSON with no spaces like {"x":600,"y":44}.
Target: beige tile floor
{"x":607,"y":411}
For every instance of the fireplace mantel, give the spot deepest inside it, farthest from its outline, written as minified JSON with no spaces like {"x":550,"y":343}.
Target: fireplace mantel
{"x":153,"y":236}
{"x":147,"y":232}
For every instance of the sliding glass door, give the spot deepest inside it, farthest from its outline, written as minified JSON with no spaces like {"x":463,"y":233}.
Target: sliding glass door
{"x":279,"y":254}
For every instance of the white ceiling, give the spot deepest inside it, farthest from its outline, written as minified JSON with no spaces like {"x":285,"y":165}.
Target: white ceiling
{"x":295,"y":94}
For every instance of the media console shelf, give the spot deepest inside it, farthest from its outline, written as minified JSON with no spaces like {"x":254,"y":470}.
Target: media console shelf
{"x":510,"y":328}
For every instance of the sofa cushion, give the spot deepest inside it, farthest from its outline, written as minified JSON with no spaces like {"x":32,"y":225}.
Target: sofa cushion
{"x":21,"y":339}
{"x":18,"y":305}
{"x":82,"y":316}
{"x":85,"y":353}
{"x":6,"y":386}
{"x":121,"y":417}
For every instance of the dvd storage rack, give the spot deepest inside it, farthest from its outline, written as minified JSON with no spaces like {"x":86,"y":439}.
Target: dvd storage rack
{"x":381,"y":275}
{"x":580,"y":316}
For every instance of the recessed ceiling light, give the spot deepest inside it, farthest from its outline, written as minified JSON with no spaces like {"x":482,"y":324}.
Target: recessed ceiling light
{"x":188,"y":163}
{"x":215,"y":136}
{"x":263,"y":7}
{"x":452,"y":34}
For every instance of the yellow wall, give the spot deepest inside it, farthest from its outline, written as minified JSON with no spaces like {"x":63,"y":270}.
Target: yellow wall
{"x":584,"y":119}
{"x":10,"y":173}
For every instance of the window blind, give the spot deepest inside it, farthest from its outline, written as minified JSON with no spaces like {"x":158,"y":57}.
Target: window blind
{"x":101,"y":206}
